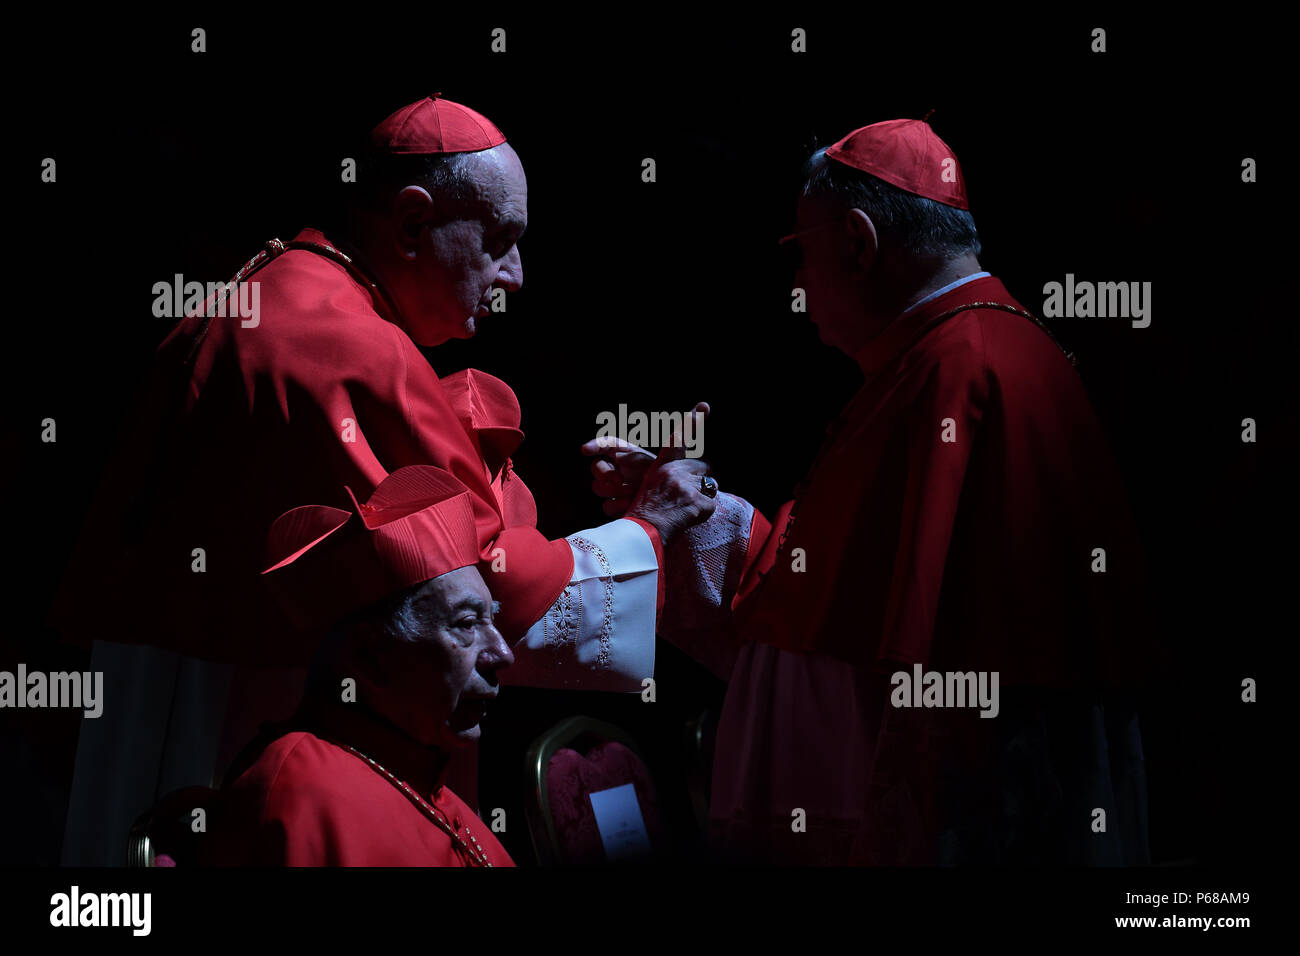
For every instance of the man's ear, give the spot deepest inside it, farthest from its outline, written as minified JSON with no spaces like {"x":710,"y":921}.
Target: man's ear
{"x":862,"y":235}
{"x":412,"y":211}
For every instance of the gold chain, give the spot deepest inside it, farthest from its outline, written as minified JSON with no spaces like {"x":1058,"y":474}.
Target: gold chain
{"x":476,"y":855}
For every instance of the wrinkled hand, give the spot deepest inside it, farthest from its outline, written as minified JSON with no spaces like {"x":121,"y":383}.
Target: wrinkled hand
{"x":670,"y":497}
{"x":663,"y":490}
{"x":619,"y":467}
{"x":618,"y":473}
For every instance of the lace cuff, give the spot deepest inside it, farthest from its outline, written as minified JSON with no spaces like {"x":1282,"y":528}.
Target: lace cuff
{"x":703,"y":569}
{"x":600,"y":633}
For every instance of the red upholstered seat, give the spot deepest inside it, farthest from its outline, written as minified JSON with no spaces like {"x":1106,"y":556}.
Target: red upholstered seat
{"x":572,"y":777}
{"x":577,"y":757}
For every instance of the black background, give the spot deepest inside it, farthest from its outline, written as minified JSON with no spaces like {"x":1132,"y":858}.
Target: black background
{"x":1120,"y":166}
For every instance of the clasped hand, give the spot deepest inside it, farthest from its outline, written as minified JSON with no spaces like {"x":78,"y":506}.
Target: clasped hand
{"x":662,"y":489}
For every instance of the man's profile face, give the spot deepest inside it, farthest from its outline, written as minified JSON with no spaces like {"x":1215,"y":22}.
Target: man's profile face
{"x":439,"y":687}
{"x":829,"y":272}
{"x":458,"y":263}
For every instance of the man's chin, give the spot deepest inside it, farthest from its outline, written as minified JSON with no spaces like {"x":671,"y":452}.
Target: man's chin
{"x":826,"y":332}
{"x":829,"y":337}
{"x":460,"y":739}
{"x":431,"y":336}
{"x":463,"y":736}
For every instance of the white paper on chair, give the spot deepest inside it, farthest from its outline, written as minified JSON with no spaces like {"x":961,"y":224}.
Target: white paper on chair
{"x":618,"y":818}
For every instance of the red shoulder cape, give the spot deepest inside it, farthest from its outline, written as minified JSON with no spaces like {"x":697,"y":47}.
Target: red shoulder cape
{"x":325,"y":391}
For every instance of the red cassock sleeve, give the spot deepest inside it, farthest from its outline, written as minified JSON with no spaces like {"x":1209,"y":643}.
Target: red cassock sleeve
{"x":238,"y":425}
{"x":764,"y":538}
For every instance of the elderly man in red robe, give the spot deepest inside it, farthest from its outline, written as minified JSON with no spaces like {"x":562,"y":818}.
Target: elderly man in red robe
{"x":929,"y":650}
{"x":319,"y":385}
{"x":356,"y":776}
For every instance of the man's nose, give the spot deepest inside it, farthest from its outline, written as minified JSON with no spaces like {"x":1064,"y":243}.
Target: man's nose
{"x":498,"y":653}
{"x":511,"y":277}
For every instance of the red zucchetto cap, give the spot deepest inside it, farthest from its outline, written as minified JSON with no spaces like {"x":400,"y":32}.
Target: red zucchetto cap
{"x":907,"y":154}
{"x":328,"y":562}
{"x":433,"y":126}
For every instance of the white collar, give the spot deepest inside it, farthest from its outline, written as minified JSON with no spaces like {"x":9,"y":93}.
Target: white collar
{"x":948,"y":288}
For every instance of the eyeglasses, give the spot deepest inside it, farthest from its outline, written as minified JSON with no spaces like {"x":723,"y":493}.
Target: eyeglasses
{"x":791,"y":247}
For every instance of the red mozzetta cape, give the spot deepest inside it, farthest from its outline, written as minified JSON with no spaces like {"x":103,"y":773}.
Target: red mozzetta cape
{"x":307,"y":800}
{"x":240,"y":424}
{"x":972,"y":553}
